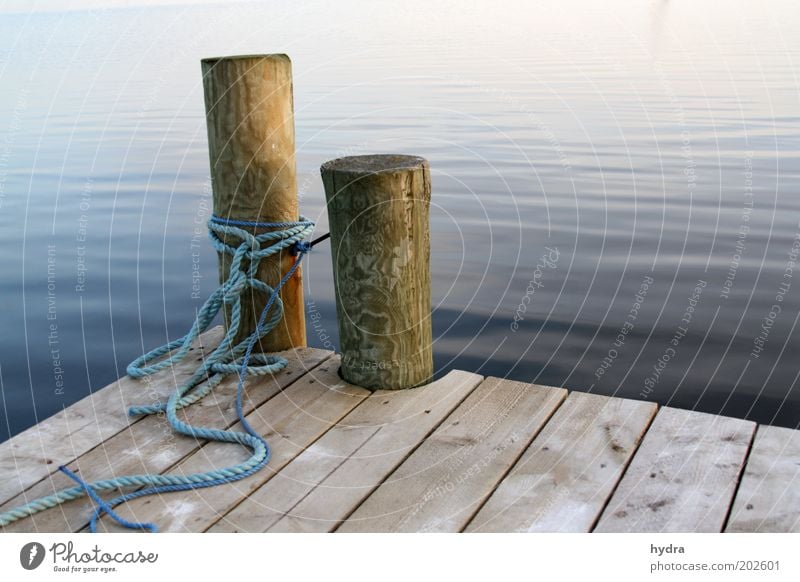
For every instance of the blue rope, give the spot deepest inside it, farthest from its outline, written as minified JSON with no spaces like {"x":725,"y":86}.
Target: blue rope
{"x":104,"y":506}
{"x":226,"y":359}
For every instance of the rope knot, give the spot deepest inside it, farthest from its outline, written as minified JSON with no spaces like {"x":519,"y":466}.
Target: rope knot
{"x":301,"y":247}
{"x":227,"y":358}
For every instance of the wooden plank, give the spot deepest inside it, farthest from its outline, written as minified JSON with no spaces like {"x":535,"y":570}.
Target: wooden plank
{"x":441,"y":485}
{"x":565,"y":477}
{"x":321,"y":487}
{"x":290,"y":421}
{"x":30,"y":456}
{"x":768,"y":499}
{"x":683,"y":477}
{"x":150,"y":446}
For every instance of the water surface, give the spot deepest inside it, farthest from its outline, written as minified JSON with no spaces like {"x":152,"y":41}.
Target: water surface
{"x":615,"y":185}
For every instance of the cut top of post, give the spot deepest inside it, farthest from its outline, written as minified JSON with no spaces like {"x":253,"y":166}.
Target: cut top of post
{"x":374,"y":164}
{"x":274,"y":56}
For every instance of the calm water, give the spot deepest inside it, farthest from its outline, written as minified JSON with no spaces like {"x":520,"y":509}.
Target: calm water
{"x":615,"y":186}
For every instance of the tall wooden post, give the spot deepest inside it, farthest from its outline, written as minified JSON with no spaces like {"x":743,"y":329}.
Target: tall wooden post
{"x":249,"y":114}
{"x":378,"y":208}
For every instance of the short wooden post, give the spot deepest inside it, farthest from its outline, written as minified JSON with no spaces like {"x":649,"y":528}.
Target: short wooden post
{"x":378,"y":208}
{"x":249,"y":114}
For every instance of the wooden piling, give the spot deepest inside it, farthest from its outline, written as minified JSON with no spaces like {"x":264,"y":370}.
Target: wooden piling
{"x":251,"y":144}
{"x":378,"y":208}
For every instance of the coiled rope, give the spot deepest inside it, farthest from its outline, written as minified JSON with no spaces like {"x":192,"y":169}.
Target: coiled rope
{"x":225,"y":359}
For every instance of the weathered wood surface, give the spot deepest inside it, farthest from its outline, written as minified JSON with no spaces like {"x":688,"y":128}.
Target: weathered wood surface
{"x":323,"y":486}
{"x":684,"y":476}
{"x":147,"y":445}
{"x":564,"y":479}
{"x":290,"y":421}
{"x":519,"y":457}
{"x":37,"y":452}
{"x":378,"y":210}
{"x":768,"y":499}
{"x":251,"y":143}
{"x":441,"y":485}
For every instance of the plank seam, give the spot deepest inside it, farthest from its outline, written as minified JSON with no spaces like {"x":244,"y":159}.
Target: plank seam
{"x":514,"y":462}
{"x":109,"y":437}
{"x":739,"y":478}
{"x":200,"y":444}
{"x":327,"y":476}
{"x":635,"y":452}
{"x":405,"y":458}
{"x":203,"y":444}
{"x":331,"y":427}
{"x":672,"y":435}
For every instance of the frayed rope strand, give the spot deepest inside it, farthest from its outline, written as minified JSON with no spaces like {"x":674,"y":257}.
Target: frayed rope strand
{"x":226,"y":359}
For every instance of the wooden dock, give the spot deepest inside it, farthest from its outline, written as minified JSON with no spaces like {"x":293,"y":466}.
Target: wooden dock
{"x":465,"y":453}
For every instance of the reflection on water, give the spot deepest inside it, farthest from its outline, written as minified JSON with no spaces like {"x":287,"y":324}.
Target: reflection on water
{"x":640,"y":141}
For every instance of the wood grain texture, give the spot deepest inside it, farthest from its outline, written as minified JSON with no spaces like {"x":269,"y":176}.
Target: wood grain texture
{"x":33,"y":454}
{"x":441,"y":485}
{"x":251,"y":143}
{"x":563,"y":480}
{"x":290,"y":422}
{"x":768,"y":499}
{"x":683,"y":477}
{"x":322,"y":486}
{"x":378,"y":209}
{"x":150,"y":446}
